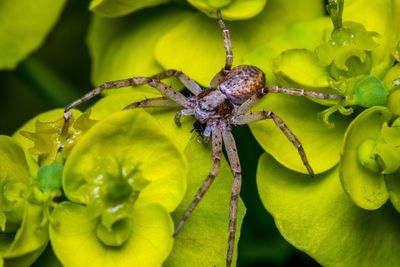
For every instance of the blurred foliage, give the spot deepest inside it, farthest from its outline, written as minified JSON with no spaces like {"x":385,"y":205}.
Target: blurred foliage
{"x":24,"y":26}
{"x":353,"y":52}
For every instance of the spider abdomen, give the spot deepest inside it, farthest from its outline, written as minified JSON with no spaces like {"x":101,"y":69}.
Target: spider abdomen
{"x":242,"y":82}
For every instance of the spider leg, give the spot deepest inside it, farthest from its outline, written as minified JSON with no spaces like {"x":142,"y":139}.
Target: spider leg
{"x":161,"y":102}
{"x":231,"y":151}
{"x":249,"y":103}
{"x":227,"y":43}
{"x":220,"y":76}
{"x":163,"y":88}
{"x":246,"y":106}
{"x":217,"y":151}
{"x":300,"y":92}
{"x":217,"y":79}
{"x":191,"y":85}
{"x":262,"y":115}
{"x":152,"y":102}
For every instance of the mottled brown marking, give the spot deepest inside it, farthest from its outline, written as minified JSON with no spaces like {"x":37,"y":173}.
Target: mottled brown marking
{"x":242,"y":82}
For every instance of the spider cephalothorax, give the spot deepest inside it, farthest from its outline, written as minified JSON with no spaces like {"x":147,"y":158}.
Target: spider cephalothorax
{"x":227,"y":101}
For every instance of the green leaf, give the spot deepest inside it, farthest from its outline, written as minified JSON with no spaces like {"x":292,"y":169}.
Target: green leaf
{"x":165,"y":116}
{"x":393,"y":184}
{"x":73,"y":237}
{"x":230,"y":9}
{"x":391,"y":134}
{"x":203,"y":55}
{"x":390,"y":77}
{"x":13,"y":164}
{"x":124,"y":47}
{"x":317,"y":217}
{"x":112,"y":8}
{"x":393,"y":102}
{"x":117,"y":144}
{"x":366,"y":188}
{"x":32,"y":234}
{"x":30,"y":239}
{"x":25,"y":236}
{"x":12,"y":199}
{"x":301,"y":68}
{"x":301,"y":116}
{"x":204,"y":237}
{"x":24,"y":25}
{"x":122,"y":145}
{"x":389,"y":157}
{"x":312,"y":34}
{"x":14,"y":183}
{"x":258,"y":32}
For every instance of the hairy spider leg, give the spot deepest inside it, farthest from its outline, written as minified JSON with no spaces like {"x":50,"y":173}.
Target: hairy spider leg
{"x":153,"y":102}
{"x":248,"y":104}
{"x":302,"y":92}
{"x":217,"y":151}
{"x":262,"y":115}
{"x":161,"y":102}
{"x":191,"y":85}
{"x":219,"y":77}
{"x":227,"y":42}
{"x":153,"y":81}
{"x":231,"y":151}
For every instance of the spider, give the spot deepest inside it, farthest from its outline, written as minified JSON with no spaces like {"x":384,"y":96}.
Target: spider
{"x":226,"y":102}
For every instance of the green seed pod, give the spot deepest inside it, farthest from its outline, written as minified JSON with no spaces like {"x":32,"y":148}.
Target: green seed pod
{"x":370,"y":91}
{"x":49,"y":176}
